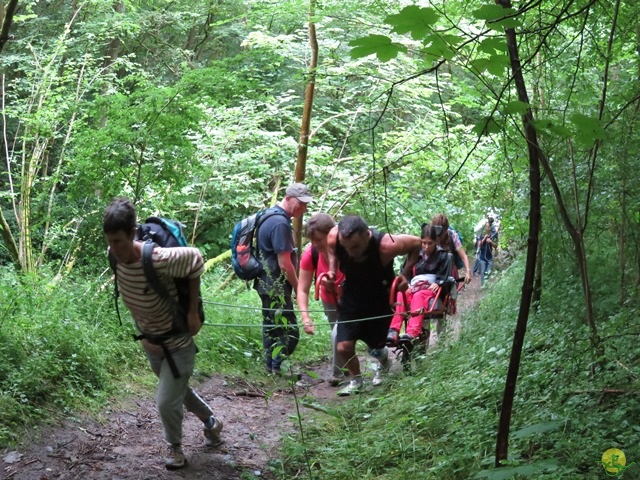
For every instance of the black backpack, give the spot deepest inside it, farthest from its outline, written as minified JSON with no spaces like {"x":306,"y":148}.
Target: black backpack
{"x":168,"y":234}
{"x":244,"y":254}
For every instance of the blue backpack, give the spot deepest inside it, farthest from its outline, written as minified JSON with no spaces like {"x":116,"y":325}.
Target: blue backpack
{"x":245,"y":256}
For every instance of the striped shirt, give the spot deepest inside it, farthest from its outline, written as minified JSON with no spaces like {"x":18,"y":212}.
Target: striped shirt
{"x":152,"y":314}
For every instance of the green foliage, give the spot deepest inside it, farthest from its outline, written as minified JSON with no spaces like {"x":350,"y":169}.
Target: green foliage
{"x":381,"y":45}
{"x":415,"y":20}
{"x":56,"y":350}
{"x":440,"y":422}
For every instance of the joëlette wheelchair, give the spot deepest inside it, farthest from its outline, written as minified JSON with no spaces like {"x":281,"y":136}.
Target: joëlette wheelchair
{"x":442,"y":304}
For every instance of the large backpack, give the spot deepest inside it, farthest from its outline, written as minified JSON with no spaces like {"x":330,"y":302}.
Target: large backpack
{"x":245,"y":255}
{"x":168,"y":234}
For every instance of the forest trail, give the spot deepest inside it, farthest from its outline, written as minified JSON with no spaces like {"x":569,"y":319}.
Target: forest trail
{"x":126,"y":443}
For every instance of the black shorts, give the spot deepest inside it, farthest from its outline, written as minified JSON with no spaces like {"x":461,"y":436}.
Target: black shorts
{"x":372,"y":332}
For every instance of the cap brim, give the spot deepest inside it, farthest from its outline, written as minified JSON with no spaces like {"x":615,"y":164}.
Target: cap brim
{"x":305,"y":199}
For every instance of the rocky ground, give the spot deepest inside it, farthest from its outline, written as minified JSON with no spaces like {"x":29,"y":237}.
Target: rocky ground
{"x":125,"y":442}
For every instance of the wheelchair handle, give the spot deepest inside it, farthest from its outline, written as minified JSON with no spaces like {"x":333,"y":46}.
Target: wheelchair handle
{"x":319,"y":286}
{"x":394,"y":291}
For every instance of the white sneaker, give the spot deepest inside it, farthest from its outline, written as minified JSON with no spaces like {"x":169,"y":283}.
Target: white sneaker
{"x":380,"y":375}
{"x":354,"y":386}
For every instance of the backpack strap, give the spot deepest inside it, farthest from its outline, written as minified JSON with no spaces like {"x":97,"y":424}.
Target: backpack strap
{"x":152,"y":276}
{"x":154,"y":281}
{"x":113,"y":263}
{"x":262,"y":216}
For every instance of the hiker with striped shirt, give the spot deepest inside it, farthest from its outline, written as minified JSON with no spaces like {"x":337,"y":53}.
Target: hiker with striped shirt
{"x":171,"y":356}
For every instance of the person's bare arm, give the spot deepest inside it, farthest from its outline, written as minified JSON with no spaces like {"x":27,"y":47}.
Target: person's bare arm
{"x":194,"y":321}
{"x":393,"y":246}
{"x":288,"y":269}
{"x":465,"y":260}
{"x":302,"y":298}
{"x":332,"y":239}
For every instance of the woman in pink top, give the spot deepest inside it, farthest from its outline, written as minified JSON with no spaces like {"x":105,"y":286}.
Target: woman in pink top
{"x":313,"y":263}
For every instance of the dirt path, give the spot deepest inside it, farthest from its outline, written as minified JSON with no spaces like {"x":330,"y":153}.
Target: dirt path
{"x":127,"y":444}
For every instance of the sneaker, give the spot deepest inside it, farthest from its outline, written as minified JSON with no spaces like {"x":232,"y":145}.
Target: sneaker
{"x":175,"y":458}
{"x":352,"y":388}
{"x":212,"y":434}
{"x":392,"y":337}
{"x":381,"y":373}
{"x":335,"y":380}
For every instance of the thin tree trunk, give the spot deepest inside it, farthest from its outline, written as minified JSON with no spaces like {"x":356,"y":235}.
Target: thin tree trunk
{"x":502,"y":442}
{"x":9,"y":242}
{"x":303,"y":143}
{"x":537,"y":281}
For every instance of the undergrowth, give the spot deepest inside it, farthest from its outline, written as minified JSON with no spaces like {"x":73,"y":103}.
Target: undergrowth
{"x":63,"y":351}
{"x":440,"y":422}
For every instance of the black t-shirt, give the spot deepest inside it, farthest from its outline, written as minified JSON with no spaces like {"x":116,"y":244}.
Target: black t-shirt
{"x":367,"y":283}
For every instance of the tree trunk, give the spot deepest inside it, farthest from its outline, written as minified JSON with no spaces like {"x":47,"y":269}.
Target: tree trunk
{"x":6,"y":19}
{"x":303,"y":143}
{"x":115,"y":45}
{"x":502,"y":443}
{"x":537,"y":281}
{"x":9,"y":241}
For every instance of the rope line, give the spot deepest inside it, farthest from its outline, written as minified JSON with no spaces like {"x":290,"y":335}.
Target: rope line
{"x":230,"y":305}
{"x":207,"y":324}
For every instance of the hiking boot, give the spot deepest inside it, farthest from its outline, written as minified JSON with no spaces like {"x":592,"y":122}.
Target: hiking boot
{"x":354,"y":387}
{"x":212,"y":434}
{"x":175,"y":459}
{"x":334,"y":381}
{"x":392,"y":337}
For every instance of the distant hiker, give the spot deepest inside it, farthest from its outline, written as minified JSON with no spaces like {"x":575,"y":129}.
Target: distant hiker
{"x":314,"y":262}
{"x":279,"y":279}
{"x":450,"y":241}
{"x":493,"y":237}
{"x":171,"y":356}
{"x":485,"y":248}
{"x":365,"y":256}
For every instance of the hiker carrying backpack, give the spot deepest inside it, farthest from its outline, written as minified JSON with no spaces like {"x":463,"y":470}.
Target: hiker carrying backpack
{"x":162,"y":232}
{"x":166,"y":324}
